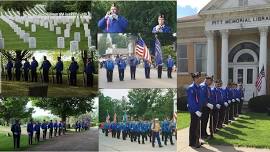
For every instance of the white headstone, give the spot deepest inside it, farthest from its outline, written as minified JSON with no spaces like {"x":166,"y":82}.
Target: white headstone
{"x":26,"y":23}
{"x":32,"y":43}
{"x":58,"y":30}
{"x":67,"y":26}
{"x":67,"y":33}
{"x":26,"y":37}
{"x":33,"y":28}
{"x":51,"y":27}
{"x":46,"y":24}
{"x":87,"y":33}
{"x":2,"y":44}
{"x":74,"y":46}
{"x":77,"y":36}
{"x":89,"y":42}
{"x":22,"y":32}
{"x":60,"y":42}
{"x":85,"y":26}
{"x":1,"y":34}
{"x":77,"y":22}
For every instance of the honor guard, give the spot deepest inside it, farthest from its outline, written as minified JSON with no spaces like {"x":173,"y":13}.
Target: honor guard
{"x":73,"y":68}
{"x":55,"y":126}
{"x":133,"y":62}
{"x":147,"y":66}
{"x":30,"y":131}
{"x":26,"y":68}
{"x":121,"y":63}
{"x":9,"y":67}
{"x":16,"y":131}
{"x":89,"y":70}
{"x":46,"y":65}
{"x":44,"y":127}
{"x":18,"y":66}
{"x":109,"y":65}
{"x":33,"y":66}
{"x":112,"y":22}
{"x":50,"y":127}
{"x":37,"y":130}
{"x":59,"y":69}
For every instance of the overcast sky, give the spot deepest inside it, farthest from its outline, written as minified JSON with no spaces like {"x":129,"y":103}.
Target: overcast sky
{"x":190,"y":7}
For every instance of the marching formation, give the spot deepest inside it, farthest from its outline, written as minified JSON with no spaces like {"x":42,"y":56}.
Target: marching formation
{"x":133,"y":61}
{"x":141,"y":131}
{"x":28,"y":71}
{"x":222,"y":105}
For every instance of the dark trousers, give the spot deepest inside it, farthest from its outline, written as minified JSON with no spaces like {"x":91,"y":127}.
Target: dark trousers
{"x":169,"y":72}
{"x":46,"y":76}
{"x":118,"y":134}
{"x":113,"y":133}
{"x":106,"y":132}
{"x":240,"y":106}
{"x":26,"y":75}
{"x":226,"y":120}
{"x":194,"y":130}
{"x":59,"y":78}
{"x":55,"y":132}
{"x":51,"y":132}
{"x":159,"y":71}
{"x":34,"y":75}
{"x":18,"y":74}
{"x":236,"y":104}
{"x":133,"y":72}
{"x":168,"y":135}
{"x":89,"y":80}
{"x":16,"y":141}
{"x":9,"y":74}
{"x":124,"y":135}
{"x":73,"y":78}
{"x":121,"y":74}
{"x":221,"y":116}
{"x":231,"y":111}
{"x":147,"y":72}
{"x":154,"y":136}
{"x":37,"y":136}
{"x":204,"y":120}
{"x":59,"y":131}
{"x":30,"y":139}
{"x":109,"y":75}
{"x":44,"y":133}
{"x":144,"y":137}
{"x":215,"y":115}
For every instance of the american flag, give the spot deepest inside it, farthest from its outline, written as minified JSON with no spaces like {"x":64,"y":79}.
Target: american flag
{"x":259,"y":79}
{"x":142,"y":50}
{"x":158,"y":52}
{"x":108,"y":117}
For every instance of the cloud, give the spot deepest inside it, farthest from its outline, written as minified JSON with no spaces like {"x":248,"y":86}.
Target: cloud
{"x":196,"y":4}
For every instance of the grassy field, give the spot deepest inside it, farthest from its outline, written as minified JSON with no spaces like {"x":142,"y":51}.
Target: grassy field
{"x":250,"y":130}
{"x":45,"y":39}
{"x":15,"y":88}
{"x":183,"y":120}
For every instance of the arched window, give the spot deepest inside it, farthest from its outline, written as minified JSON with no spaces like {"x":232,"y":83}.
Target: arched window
{"x":245,"y":57}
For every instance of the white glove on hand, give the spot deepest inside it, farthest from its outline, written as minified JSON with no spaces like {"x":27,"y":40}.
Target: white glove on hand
{"x":218,"y":106}
{"x":229,"y":101}
{"x":226,"y":104}
{"x":115,"y":16}
{"x":238,"y":99}
{"x":233,"y":100}
{"x":242,"y":98}
{"x":198,"y":113}
{"x":209,"y":105}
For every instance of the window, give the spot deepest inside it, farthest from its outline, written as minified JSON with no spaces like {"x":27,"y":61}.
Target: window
{"x":243,"y":3}
{"x":200,"y":57}
{"x":240,"y":76}
{"x":182,"y":58}
{"x":230,"y":75}
{"x":246,"y":57}
{"x":249,"y":76}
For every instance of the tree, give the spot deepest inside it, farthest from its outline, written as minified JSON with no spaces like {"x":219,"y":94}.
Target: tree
{"x":15,"y":108}
{"x":17,"y":55}
{"x":65,"y":107}
{"x":18,"y":5}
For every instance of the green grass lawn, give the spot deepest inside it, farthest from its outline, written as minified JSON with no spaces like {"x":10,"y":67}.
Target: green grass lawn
{"x":183,"y":120}
{"x":15,"y":88}
{"x":45,"y":39}
{"x":250,"y":130}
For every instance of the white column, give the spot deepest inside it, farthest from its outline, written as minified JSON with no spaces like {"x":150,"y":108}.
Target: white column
{"x":263,"y":57}
{"x":224,"y":57}
{"x":210,"y":53}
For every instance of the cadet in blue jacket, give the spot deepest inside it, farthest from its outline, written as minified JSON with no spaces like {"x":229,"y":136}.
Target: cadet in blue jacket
{"x":34,"y":65}
{"x":30,"y":131}
{"x":121,"y":63}
{"x":170,"y":64}
{"x":205,"y":95}
{"x":60,"y":126}
{"x":44,"y":127}
{"x":46,"y":65}
{"x":73,"y":68}
{"x":18,"y":66}
{"x":109,"y":65}
{"x":147,"y":66}
{"x":59,"y":68}
{"x":194,"y":107}
{"x":9,"y":67}
{"x":118,"y":130}
{"x":55,"y":126}
{"x":37,"y":130}
{"x":167,"y":131}
{"x":89,"y":70}
{"x":241,"y":89}
{"x":227,"y":99}
{"x":215,"y":102}
{"x":16,"y":131}
{"x":161,"y":27}
{"x":133,"y":62}
{"x":224,"y":105}
{"x":113,"y":22}
{"x":50,"y":126}
{"x":26,"y":67}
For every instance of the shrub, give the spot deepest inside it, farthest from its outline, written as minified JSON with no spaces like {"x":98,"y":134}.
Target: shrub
{"x":259,"y":104}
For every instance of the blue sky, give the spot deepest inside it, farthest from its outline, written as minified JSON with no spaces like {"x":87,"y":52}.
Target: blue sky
{"x":189,"y":7}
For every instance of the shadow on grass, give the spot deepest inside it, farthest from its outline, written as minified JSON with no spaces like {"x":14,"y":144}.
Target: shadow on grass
{"x":233,"y":131}
{"x":240,"y":126}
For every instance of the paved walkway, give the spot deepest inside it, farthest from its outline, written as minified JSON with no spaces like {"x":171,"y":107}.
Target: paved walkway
{"x":140,"y":81}
{"x":114,"y":144}
{"x":83,"y":141}
{"x":182,"y":145}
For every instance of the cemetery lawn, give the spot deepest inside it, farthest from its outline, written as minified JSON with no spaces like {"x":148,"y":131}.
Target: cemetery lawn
{"x":250,"y":130}
{"x":15,"y":88}
{"x":183,"y":120}
{"x":45,"y":39}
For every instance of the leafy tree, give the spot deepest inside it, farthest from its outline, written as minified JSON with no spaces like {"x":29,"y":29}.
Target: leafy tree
{"x":65,"y":107}
{"x":16,"y":54}
{"x":14,"y":108}
{"x":18,"y":5}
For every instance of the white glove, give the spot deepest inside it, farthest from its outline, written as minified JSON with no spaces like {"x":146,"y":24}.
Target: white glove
{"x":233,"y":100}
{"x":242,"y":98}
{"x":238,"y":99}
{"x":115,"y":16}
{"x":229,"y":101}
{"x":198,"y":113}
{"x":209,"y":105}
{"x":226,"y":104}
{"x":218,"y":106}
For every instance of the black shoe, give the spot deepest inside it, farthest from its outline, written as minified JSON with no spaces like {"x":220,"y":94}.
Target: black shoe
{"x":160,"y":146}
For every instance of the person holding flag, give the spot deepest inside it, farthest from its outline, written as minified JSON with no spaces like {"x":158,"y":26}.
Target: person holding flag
{"x":159,"y":58}
{"x":133,"y":62}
